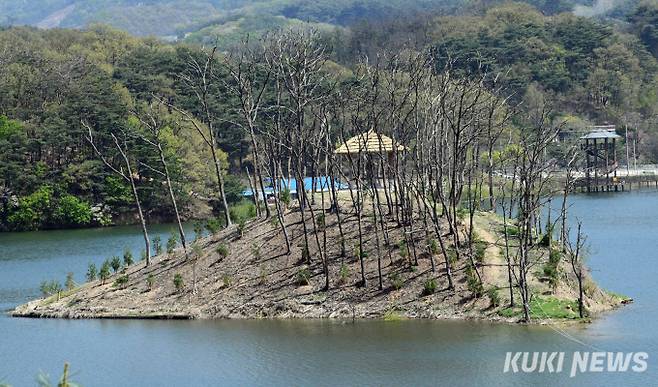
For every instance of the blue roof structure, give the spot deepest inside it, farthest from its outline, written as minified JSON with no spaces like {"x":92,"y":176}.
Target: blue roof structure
{"x":322,"y":183}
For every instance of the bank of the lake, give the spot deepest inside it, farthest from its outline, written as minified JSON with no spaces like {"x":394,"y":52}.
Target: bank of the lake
{"x":324,"y":352}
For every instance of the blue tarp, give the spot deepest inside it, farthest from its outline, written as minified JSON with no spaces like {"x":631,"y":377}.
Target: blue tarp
{"x":322,"y":183}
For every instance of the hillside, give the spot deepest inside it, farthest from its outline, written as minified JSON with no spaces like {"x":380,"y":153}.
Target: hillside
{"x":171,"y":18}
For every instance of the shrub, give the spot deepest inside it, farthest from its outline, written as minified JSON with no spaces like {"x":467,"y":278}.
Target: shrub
{"x":178,"y":282}
{"x":429,"y":287}
{"x":104,"y":273}
{"x":494,"y":297}
{"x":433,"y":246}
{"x":157,"y":245}
{"x":473,"y":282}
{"x":243,"y":211}
{"x":213,"y":225}
{"x":285,"y":197}
{"x":404,"y":250}
{"x":172,"y":242}
{"x":197,"y":251}
{"x":303,"y":277}
{"x":91,"y":272}
{"x":255,"y":251}
{"x":262,"y":276}
{"x":48,"y":288}
{"x":344,"y":273}
{"x":397,"y":281}
{"x":241,"y":228}
{"x":306,"y":254}
{"x":128,"y":258}
{"x":274,"y":222}
{"x":115,"y":263}
{"x":121,"y":281}
{"x":321,"y":220}
{"x":227,"y":280}
{"x":222,"y":250}
{"x":150,"y":281}
{"x":551,"y":267}
{"x":198,"y":230}
{"x":479,"y":250}
{"x":70,"y":283}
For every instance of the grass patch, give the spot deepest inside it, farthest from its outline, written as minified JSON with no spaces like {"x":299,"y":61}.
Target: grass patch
{"x":546,"y":308}
{"x":394,"y":315}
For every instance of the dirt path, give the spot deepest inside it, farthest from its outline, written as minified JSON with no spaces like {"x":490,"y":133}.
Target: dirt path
{"x":495,"y":269}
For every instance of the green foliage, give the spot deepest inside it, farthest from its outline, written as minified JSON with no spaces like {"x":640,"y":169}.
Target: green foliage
{"x":222,"y":250}
{"x":91,"y":272}
{"x":172,"y":242}
{"x":479,"y":250}
{"x":546,"y":308}
{"x":397,"y":281}
{"x":303,"y":277}
{"x":178,"y":282}
{"x":69,"y":284}
{"x":429,"y":287}
{"x":255,"y":251}
{"x":551,"y":267}
{"x":121,"y":281}
{"x":214,"y":225}
{"x":49,"y":288}
{"x":243,"y":211}
{"x":241,"y":227}
{"x":128,"y":257}
{"x":198,"y":230}
{"x":115,"y":263}
{"x":197,"y":250}
{"x":227,"y":280}
{"x":157,"y":245}
{"x":286,"y":197}
{"x":233,"y":188}
{"x":104,"y":273}
{"x":320,"y":220}
{"x":433,"y":246}
{"x":344,"y":273}
{"x":473,"y":282}
{"x":403,"y":248}
{"x":150,"y":281}
{"x":494,"y":297}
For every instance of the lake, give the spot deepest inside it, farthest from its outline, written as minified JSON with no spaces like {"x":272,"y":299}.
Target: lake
{"x":622,"y":236}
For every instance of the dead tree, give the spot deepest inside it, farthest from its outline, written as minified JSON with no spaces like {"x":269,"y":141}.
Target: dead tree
{"x":128,"y":175}
{"x":200,"y":78}
{"x":153,"y":123}
{"x":576,"y":259}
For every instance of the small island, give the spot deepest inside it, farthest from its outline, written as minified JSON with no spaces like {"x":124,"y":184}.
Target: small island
{"x":246,"y":273}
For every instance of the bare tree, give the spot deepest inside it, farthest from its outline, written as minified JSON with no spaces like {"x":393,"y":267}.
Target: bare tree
{"x":127,"y":175}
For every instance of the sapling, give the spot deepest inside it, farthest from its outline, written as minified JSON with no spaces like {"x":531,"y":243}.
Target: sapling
{"x":70,"y":283}
{"x":115,"y":263}
{"x":128,"y":257}
{"x":172,"y":242}
{"x":104,"y":273}
{"x":91,"y":272}
{"x":157,"y":245}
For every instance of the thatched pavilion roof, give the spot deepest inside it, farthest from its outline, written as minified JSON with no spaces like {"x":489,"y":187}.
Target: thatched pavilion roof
{"x":369,"y":142}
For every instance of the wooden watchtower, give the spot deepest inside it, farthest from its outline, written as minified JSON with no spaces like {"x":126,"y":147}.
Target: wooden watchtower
{"x":600,"y":150}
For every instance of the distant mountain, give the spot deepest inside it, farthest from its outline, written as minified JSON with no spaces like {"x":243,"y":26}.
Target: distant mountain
{"x":201,"y":19}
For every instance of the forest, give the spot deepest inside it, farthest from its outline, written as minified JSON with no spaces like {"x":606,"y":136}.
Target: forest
{"x":61,"y":85}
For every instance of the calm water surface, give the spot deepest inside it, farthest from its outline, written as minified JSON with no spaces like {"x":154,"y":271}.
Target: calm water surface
{"x":623,"y":238}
